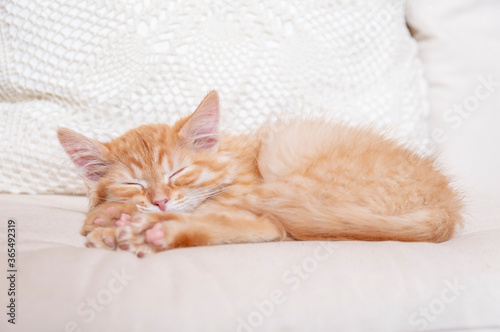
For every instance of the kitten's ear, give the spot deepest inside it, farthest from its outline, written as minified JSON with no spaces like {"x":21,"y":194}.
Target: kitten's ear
{"x":87,"y":154}
{"x":201,"y":130}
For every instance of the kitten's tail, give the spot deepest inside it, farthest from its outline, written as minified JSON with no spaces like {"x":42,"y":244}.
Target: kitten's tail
{"x":310,"y":219}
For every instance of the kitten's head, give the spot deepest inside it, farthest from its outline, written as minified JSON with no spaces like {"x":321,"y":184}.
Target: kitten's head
{"x":157,"y":167}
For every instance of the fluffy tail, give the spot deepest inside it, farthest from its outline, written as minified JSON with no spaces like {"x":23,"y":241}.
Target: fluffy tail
{"x":310,"y":219}
{"x":334,"y":182}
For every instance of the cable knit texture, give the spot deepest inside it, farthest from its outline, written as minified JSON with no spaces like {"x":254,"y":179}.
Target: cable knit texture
{"x":103,"y":67}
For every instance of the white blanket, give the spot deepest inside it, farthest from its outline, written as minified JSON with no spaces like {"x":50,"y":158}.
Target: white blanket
{"x":287,"y":286}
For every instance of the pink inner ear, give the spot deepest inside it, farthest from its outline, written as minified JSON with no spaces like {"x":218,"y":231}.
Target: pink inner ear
{"x":92,"y":167}
{"x":205,"y":143}
{"x":85,"y":153}
{"x":205,"y":135}
{"x":202,"y":129}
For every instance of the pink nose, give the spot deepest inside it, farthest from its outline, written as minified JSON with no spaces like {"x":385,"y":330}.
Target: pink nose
{"x":162,"y":204}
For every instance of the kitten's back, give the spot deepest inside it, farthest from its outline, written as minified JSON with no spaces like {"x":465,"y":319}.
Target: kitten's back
{"x":353,"y":183}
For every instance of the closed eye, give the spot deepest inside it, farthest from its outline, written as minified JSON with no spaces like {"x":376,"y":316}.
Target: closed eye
{"x":176,"y":173}
{"x":134,"y":184}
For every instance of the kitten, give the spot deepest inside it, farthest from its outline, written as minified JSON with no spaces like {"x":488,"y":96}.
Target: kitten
{"x":159,"y":187}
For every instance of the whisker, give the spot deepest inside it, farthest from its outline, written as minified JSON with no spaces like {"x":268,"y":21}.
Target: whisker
{"x":183,"y":203}
{"x":216,"y":193}
{"x":204,"y":194}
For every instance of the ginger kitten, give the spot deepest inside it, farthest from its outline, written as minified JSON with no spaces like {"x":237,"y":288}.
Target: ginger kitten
{"x":159,"y":187}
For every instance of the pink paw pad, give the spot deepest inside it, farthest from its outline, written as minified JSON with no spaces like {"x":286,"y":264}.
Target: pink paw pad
{"x":138,"y":219}
{"x":122,"y":234}
{"x":124,"y":220}
{"x":155,"y":235}
{"x":99,"y":221}
{"x":110,"y":209}
{"x":110,"y":243}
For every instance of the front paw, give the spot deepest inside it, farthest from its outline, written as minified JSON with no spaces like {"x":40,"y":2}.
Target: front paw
{"x":100,"y":224}
{"x":148,"y":233}
{"x":109,"y":215}
{"x":102,"y":237}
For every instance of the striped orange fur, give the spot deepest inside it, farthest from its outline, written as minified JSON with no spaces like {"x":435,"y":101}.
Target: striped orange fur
{"x":159,"y":187}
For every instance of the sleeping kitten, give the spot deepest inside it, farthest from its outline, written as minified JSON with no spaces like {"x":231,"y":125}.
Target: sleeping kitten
{"x":159,"y":187}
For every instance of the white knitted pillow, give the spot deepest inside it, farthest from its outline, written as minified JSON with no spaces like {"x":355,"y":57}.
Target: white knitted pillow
{"x":103,"y":67}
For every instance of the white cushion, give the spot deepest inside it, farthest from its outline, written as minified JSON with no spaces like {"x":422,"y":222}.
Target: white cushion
{"x":104,"y":67}
{"x":460,"y":49}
